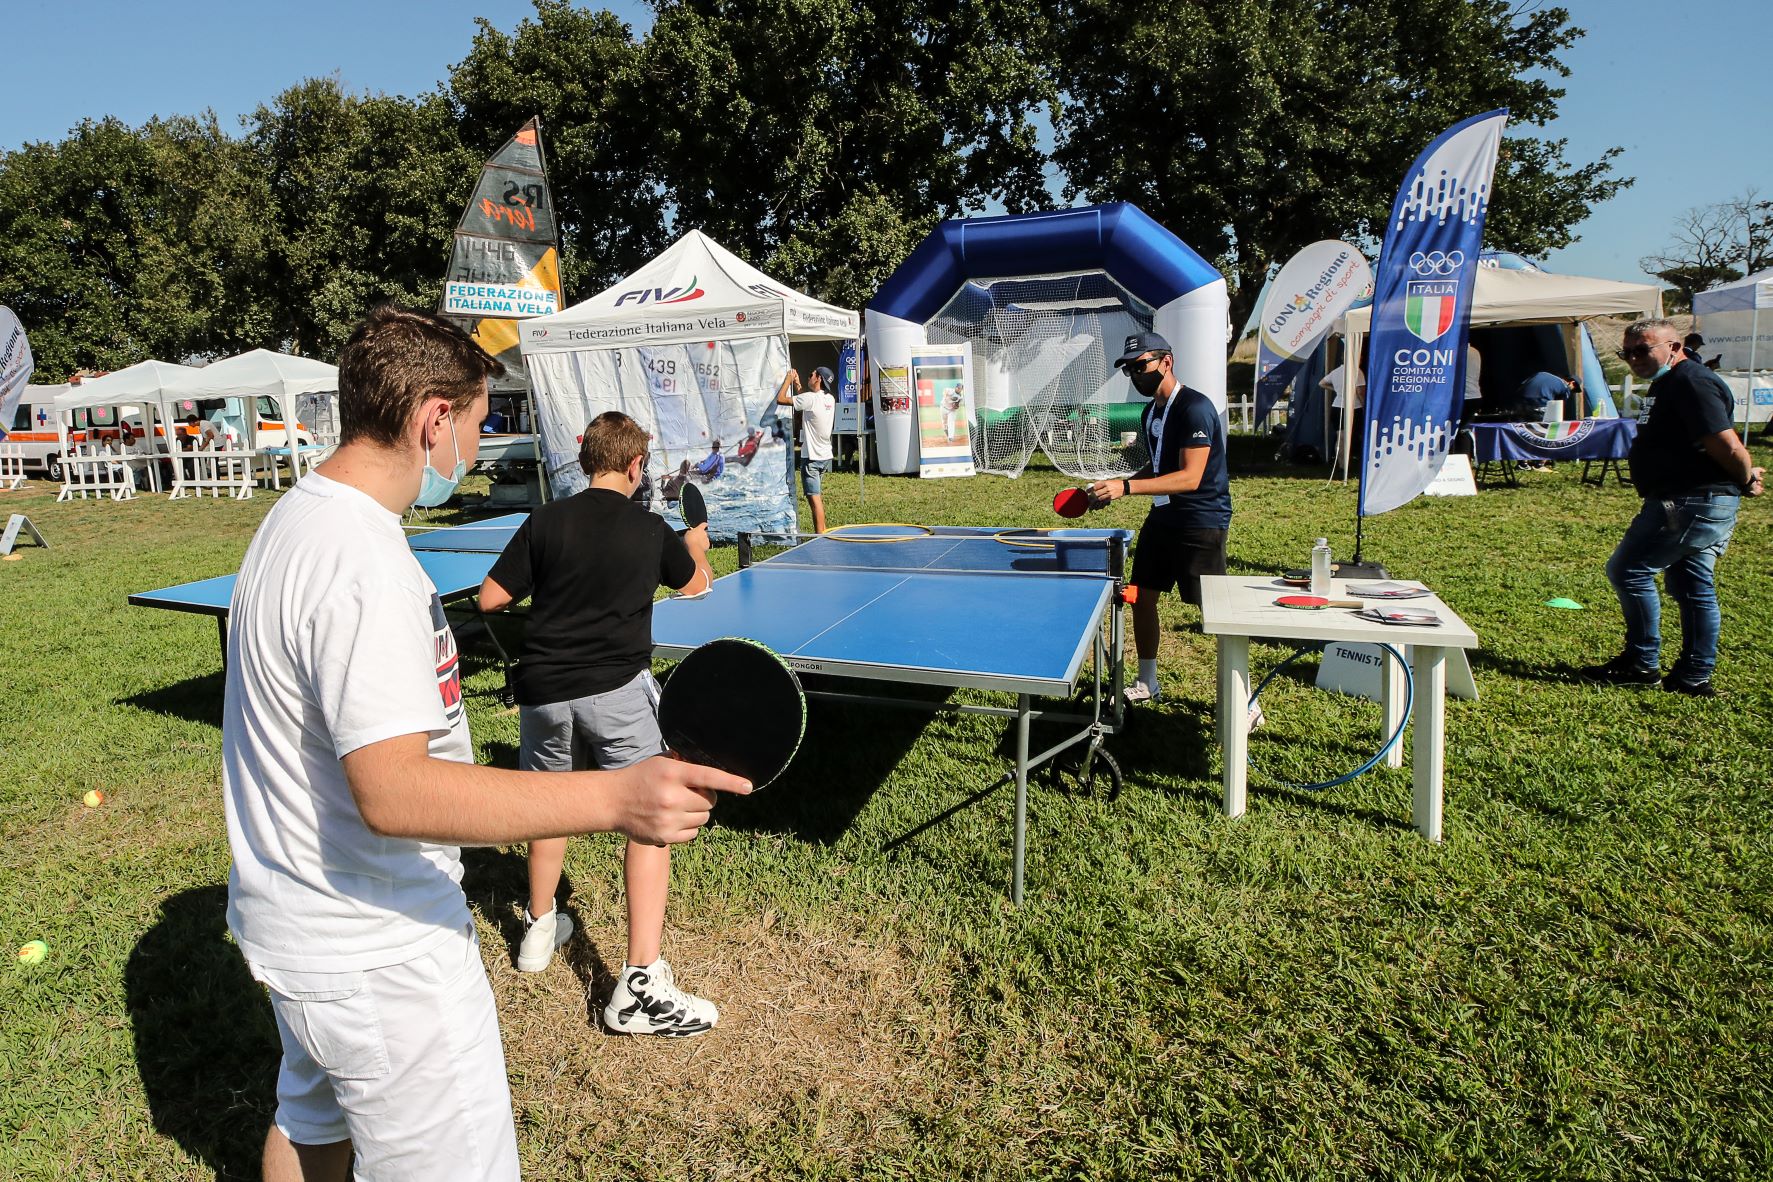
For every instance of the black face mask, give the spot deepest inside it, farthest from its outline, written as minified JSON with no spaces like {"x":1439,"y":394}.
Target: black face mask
{"x":1146,"y":382}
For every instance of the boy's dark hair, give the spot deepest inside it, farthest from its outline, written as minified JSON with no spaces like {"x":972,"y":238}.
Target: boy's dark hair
{"x":397,"y":358}
{"x":611,"y":442}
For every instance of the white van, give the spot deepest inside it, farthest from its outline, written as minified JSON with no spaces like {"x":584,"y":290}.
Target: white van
{"x":34,"y":429}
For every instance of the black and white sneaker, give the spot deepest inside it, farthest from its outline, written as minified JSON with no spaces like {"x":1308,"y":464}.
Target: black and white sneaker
{"x":1676,"y":684}
{"x":647,"y":1001}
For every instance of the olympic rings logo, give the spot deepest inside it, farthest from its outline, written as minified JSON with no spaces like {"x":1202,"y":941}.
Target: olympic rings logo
{"x":1437,"y":262}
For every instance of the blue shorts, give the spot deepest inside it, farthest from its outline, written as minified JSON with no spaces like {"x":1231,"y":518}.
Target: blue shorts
{"x":811,"y":471}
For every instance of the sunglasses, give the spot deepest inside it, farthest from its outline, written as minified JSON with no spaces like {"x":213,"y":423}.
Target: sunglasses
{"x":1141,"y":364}
{"x":1634,"y":352}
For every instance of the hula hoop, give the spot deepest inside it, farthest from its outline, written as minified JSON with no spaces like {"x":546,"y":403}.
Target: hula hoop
{"x":1027,"y":539}
{"x":1369,"y":765}
{"x":923,"y":531}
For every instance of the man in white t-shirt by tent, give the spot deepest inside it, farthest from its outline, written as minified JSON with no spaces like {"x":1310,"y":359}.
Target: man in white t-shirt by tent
{"x":349,"y":780}
{"x":817,"y":408}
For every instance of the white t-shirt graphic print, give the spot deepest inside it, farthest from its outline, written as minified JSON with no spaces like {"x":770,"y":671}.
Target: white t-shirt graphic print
{"x":337,"y":640}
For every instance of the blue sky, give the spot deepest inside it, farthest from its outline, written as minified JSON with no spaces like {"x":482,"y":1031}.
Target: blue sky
{"x":1674,"y":85}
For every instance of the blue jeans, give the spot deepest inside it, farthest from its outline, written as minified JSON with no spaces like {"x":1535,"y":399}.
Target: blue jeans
{"x":1685,"y":537}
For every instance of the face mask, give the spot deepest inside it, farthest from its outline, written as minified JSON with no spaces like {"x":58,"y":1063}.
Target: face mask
{"x":434,"y":487}
{"x":1147,"y":382}
{"x":1664,"y":369}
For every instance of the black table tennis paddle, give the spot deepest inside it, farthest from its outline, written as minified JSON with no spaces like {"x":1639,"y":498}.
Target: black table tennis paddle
{"x":735,"y":705}
{"x":691,"y":505}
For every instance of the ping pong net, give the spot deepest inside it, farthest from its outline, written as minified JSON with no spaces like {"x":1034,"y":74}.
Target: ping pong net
{"x":941,"y":549}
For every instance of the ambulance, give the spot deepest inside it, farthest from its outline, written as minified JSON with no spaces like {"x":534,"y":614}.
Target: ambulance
{"x":35,"y":430}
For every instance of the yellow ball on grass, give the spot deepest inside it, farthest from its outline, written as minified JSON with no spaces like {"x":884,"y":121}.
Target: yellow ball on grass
{"x":33,"y":952}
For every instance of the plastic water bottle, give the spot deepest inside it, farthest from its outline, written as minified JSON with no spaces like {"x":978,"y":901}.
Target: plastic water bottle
{"x":1320,"y":567}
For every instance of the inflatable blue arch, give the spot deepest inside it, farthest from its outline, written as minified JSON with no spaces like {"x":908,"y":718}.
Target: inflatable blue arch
{"x":1120,"y":240}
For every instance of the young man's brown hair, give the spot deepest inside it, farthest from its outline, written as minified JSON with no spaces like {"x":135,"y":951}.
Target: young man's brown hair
{"x":611,"y":442}
{"x":396,"y":359}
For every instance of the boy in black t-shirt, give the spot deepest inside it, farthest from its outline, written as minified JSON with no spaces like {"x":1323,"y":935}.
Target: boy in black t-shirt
{"x":591,"y":564}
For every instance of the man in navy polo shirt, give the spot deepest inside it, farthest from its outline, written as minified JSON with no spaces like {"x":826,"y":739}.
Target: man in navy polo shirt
{"x":1184,"y":534}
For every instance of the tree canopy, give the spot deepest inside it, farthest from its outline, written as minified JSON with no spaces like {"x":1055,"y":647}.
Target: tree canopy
{"x":818,"y":139}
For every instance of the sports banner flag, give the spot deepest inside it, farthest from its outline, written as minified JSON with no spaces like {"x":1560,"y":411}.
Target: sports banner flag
{"x":16,"y":364}
{"x":1422,"y":311}
{"x":1309,"y":295}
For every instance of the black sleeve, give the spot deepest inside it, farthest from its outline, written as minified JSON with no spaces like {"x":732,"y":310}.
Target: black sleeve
{"x":676,"y":567}
{"x":514,"y":571}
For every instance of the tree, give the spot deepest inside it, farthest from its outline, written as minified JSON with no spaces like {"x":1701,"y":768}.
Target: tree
{"x":1712,"y":243}
{"x":1253,"y":127}
{"x":120,"y":244}
{"x":365,"y":193}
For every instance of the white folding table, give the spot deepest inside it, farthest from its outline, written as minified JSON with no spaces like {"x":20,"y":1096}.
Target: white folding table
{"x":1238,"y":608}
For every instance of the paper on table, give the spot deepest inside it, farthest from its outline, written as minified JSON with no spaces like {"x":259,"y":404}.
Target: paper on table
{"x":1387,"y":590}
{"x":1401,"y":615}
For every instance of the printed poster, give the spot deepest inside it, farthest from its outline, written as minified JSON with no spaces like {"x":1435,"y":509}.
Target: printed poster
{"x":942,"y":385}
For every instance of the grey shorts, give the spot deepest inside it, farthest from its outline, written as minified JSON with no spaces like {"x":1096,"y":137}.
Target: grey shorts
{"x":609,"y":730}
{"x":811,"y":471}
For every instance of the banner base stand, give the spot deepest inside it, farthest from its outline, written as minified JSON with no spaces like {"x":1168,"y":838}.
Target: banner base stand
{"x":1360,"y":570}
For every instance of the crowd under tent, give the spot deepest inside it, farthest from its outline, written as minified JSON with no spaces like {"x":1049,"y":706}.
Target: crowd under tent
{"x":269,"y":392}
{"x":693,"y":345}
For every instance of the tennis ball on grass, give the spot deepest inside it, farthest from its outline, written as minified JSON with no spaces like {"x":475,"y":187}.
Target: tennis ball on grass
{"x":33,"y":952}
{"x":94,"y":798}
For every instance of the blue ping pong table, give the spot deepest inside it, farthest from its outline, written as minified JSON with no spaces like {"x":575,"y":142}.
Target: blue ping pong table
{"x":455,"y":559}
{"x":1014,"y":611}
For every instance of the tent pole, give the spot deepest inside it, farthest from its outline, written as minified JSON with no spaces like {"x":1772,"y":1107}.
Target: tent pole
{"x":1754,"y":333}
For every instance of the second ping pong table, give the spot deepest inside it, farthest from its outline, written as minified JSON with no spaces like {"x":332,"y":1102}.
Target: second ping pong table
{"x":1014,"y":611}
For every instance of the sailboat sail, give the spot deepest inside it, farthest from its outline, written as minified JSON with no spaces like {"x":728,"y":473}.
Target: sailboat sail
{"x":505,"y":264}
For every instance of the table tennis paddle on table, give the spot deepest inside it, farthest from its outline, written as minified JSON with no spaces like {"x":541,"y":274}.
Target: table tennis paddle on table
{"x":1072,"y":502}
{"x":691,"y":505}
{"x":735,"y":705}
{"x":1314,"y":602}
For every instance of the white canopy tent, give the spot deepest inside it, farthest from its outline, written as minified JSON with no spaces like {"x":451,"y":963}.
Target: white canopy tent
{"x":289,"y":381}
{"x":144,"y":384}
{"x":1507,"y":297}
{"x":1729,"y":318}
{"x":693,"y":346}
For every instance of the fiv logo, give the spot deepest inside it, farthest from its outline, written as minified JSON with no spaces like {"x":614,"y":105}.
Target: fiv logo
{"x":662,"y":295}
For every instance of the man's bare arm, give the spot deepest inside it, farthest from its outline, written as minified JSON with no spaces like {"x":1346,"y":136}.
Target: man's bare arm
{"x":402,"y":791}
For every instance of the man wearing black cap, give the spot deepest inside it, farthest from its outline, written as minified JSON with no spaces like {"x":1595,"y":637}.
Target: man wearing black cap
{"x":1184,"y":534}
{"x":817,"y":408}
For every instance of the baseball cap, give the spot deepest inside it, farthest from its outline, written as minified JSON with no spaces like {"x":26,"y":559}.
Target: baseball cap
{"x":826,"y":377}
{"x":1142,"y":342}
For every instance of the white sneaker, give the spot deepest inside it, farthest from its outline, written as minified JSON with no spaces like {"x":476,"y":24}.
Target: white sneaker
{"x":1140,"y":692}
{"x":1257,"y":718}
{"x":540,"y":938}
{"x":647,"y":1001}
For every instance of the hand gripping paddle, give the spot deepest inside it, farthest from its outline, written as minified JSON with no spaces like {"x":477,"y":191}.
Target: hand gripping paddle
{"x":735,"y":705}
{"x":1071,"y":502}
{"x":691,"y":505}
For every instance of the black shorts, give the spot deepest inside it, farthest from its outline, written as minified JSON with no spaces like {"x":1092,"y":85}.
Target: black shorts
{"x":1171,"y":556}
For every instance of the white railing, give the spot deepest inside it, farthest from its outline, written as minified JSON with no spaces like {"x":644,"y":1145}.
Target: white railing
{"x":215,"y":470}
{"x":12,"y":465}
{"x":100,"y":472}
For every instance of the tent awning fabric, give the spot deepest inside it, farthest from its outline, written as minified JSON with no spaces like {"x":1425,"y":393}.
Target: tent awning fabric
{"x":1744,"y":295}
{"x":1539,"y":297}
{"x":259,"y":372}
{"x":696,"y":290}
{"x":145,"y":381}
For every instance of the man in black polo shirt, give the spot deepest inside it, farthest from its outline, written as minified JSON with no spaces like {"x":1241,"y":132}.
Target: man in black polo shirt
{"x":1692,"y":472}
{"x":1184,"y":534}
{"x":591,"y":564}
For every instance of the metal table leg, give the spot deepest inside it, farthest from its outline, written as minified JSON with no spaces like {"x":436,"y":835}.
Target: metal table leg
{"x":1020,"y":843}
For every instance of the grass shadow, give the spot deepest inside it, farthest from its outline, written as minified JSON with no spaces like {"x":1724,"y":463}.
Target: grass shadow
{"x":206,"y":1045}
{"x":195,"y":699}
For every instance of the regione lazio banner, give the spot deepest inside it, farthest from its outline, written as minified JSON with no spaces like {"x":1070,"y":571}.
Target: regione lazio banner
{"x":1422,"y":309}
{"x":16,"y":364}
{"x":1311,"y":292}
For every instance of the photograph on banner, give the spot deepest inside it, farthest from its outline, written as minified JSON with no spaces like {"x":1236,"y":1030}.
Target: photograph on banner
{"x":943,"y":381}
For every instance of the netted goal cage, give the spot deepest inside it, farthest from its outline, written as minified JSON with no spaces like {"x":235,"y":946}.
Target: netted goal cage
{"x":1043,"y":351}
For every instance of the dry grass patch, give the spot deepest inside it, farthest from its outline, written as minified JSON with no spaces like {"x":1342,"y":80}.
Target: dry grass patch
{"x":820,"y":1027}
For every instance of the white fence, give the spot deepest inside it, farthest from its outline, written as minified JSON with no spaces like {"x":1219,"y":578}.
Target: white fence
{"x":12,"y":465}
{"x":99,"y":472}
{"x":215,"y":470}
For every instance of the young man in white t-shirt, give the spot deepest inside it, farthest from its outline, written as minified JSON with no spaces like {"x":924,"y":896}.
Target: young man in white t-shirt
{"x":817,"y":408}
{"x":349,"y":780}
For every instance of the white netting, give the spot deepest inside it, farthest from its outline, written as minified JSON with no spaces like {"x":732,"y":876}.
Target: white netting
{"x":1043,"y":349}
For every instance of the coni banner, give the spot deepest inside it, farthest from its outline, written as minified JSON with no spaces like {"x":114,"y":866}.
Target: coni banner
{"x":1310,"y":294}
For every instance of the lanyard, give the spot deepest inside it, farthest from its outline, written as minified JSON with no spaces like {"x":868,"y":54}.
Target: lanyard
{"x":1157,"y":424}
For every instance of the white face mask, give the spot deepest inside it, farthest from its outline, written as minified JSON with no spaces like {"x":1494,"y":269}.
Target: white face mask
{"x":434,"y":487}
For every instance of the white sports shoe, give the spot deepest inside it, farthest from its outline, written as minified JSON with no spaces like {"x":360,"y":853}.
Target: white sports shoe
{"x":647,"y":1001}
{"x":1257,"y":718}
{"x":1140,"y":692}
{"x":540,"y":938}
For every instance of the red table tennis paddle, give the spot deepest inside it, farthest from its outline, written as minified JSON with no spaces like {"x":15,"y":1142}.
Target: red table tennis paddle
{"x":1071,"y":502}
{"x":735,"y":705}
{"x":1311,"y":602}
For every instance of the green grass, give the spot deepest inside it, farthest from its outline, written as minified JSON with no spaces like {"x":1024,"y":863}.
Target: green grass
{"x":1575,"y":985}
